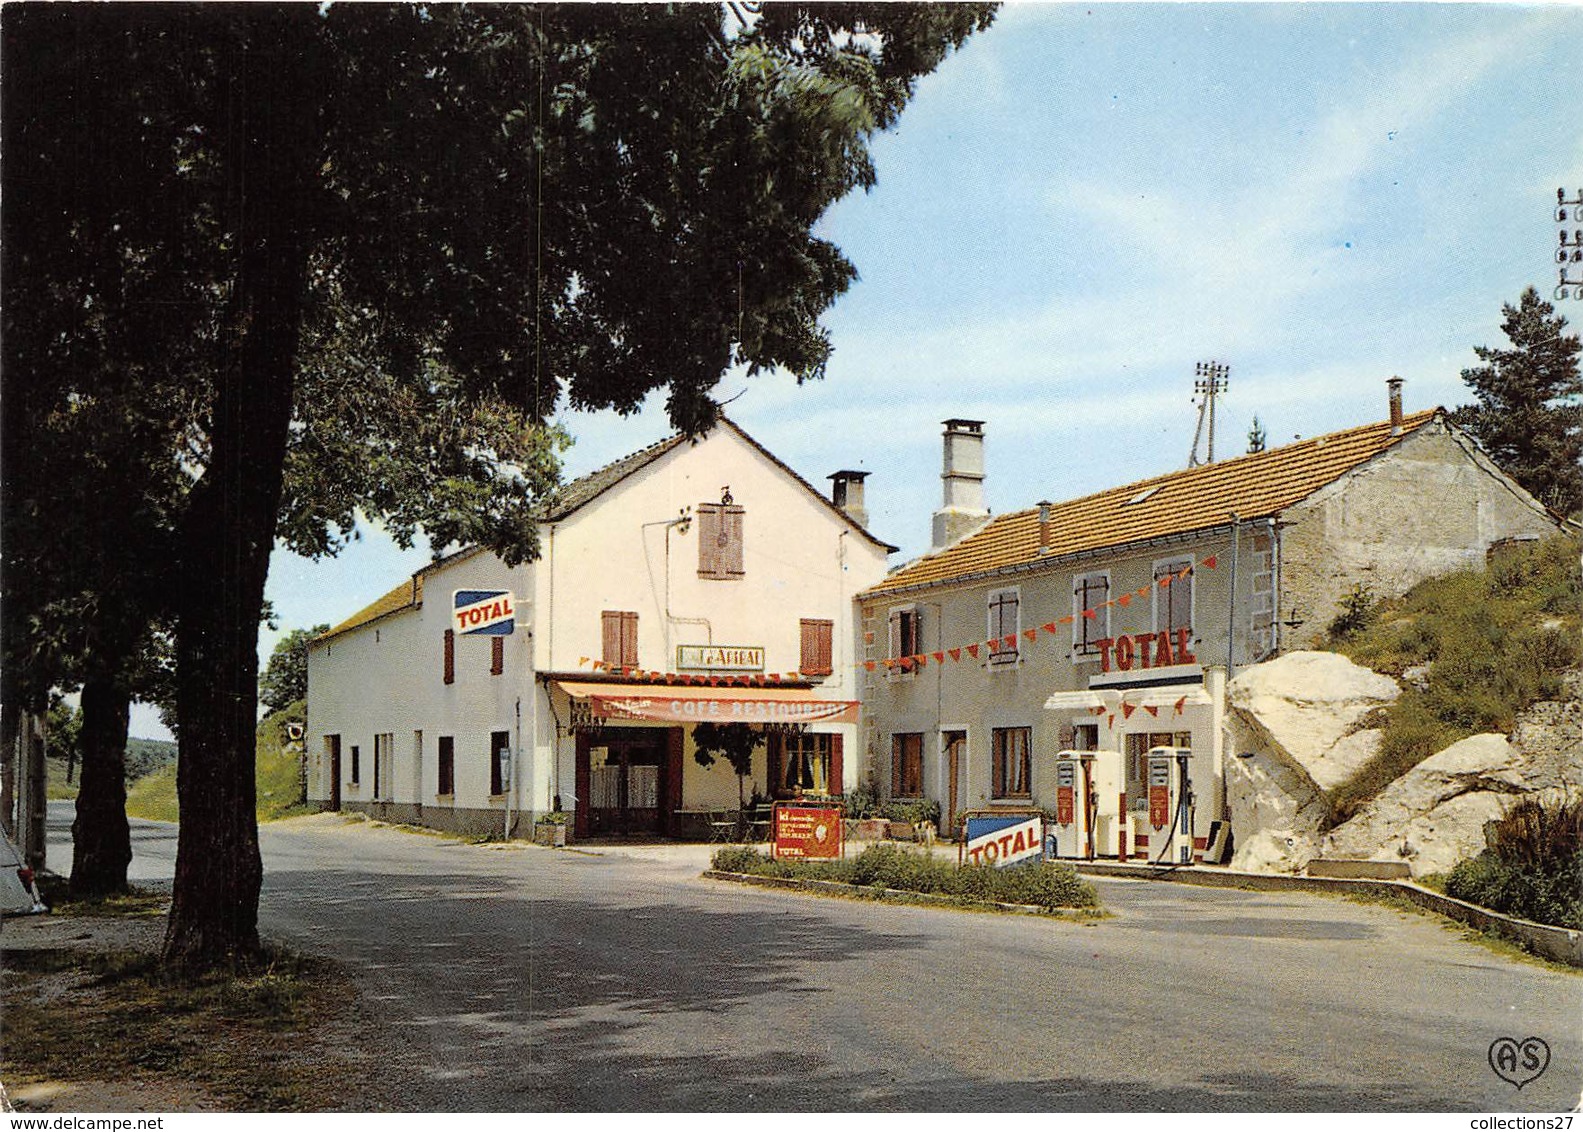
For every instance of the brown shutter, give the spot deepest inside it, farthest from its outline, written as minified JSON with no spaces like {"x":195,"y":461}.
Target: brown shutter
{"x":731,"y":553}
{"x":610,"y":625}
{"x":835,"y":783}
{"x":708,"y":540}
{"x":629,"y":639}
{"x":826,"y":646}
{"x":774,"y":763}
{"x":895,"y":765}
{"x":497,"y":655}
{"x":450,"y":656}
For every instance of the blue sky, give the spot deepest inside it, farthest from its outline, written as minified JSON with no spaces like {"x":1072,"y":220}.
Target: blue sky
{"x":1086,"y":201}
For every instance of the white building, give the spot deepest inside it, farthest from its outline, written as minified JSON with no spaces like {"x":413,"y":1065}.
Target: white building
{"x":690,"y":582}
{"x":1110,"y":622}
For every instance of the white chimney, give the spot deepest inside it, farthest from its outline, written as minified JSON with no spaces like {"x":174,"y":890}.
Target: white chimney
{"x":846,"y":492}
{"x":962,"y":509}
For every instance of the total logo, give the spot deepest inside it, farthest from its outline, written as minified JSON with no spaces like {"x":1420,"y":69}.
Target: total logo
{"x":490,"y":613}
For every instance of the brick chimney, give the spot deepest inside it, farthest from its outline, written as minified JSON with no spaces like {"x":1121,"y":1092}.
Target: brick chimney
{"x":1044,"y":526}
{"x":1394,"y":384}
{"x":846,"y":492}
{"x":962,"y":509}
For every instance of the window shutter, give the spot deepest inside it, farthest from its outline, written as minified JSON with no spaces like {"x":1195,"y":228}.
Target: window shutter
{"x":730,"y":538}
{"x":895,"y":633}
{"x":629,"y":639}
{"x":708,"y":540}
{"x":817,"y":642}
{"x":497,"y":655}
{"x":835,"y":785}
{"x":895,"y":765}
{"x":610,"y":622}
{"x":450,"y":656}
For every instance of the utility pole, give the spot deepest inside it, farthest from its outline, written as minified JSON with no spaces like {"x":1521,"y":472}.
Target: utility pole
{"x":1212,"y":380}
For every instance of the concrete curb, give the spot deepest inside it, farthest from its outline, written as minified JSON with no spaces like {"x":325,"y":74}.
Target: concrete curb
{"x":901,"y":896}
{"x":1563,"y":945}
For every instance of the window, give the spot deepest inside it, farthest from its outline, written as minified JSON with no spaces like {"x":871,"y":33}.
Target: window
{"x":1090,"y":614}
{"x":805,"y":763}
{"x":357,"y":769}
{"x":447,"y":756}
{"x":450,"y":656}
{"x":499,"y":756}
{"x":497,"y":655}
{"x":719,"y":541}
{"x":384,"y":747}
{"x":620,"y":638}
{"x":1085,"y":737}
{"x":817,"y":642}
{"x":906,"y":765}
{"x":1003,"y":624}
{"x":906,"y":636}
{"x":1173,"y":601}
{"x":1011,"y":762}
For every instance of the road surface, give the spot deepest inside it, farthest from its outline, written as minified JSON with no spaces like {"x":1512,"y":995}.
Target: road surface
{"x":525,"y":978}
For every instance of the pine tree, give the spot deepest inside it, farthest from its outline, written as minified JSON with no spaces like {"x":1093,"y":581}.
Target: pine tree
{"x":1529,"y":417}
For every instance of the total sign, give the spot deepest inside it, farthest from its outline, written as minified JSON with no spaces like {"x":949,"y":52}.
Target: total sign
{"x":1003,"y":839}
{"x":483,"y":613}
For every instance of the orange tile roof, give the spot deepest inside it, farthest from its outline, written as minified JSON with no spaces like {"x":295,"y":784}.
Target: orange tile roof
{"x":1254,"y":487}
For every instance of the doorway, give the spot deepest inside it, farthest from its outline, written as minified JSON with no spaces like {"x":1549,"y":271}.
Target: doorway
{"x":955,"y":743}
{"x":332,"y":745}
{"x":625,"y":779}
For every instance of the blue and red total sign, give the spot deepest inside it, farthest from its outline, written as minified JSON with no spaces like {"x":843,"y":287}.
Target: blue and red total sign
{"x":484,"y":613}
{"x":1003,"y":839}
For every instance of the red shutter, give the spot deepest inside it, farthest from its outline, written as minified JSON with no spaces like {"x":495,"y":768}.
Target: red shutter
{"x":450,"y":656}
{"x":836,"y":785}
{"x":497,"y":655}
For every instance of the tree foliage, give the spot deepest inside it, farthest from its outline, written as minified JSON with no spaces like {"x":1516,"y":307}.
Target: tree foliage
{"x":285,"y":678}
{"x":275,"y":266}
{"x":1529,"y":414}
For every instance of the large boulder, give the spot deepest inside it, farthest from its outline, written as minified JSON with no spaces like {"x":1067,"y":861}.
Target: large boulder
{"x":1310,"y":709}
{"x":1276,"y":812}
{"x":1434,"y":815}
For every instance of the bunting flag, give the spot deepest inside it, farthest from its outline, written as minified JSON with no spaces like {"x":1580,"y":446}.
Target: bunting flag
{"x":1152,"y":710}
{"x":1096,"y":710}
{"x":1180,"y":704}
{"x":1127,"y":710}
{"x":1051,"y":628}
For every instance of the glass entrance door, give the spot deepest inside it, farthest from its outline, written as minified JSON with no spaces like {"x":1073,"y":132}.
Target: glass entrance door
{"x":625,"y":784}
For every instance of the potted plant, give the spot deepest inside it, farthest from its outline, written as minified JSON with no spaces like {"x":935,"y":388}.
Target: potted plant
{"x":551,"y":828}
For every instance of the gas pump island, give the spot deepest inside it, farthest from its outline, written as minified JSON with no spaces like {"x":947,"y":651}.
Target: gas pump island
{"x":1170,"y":806}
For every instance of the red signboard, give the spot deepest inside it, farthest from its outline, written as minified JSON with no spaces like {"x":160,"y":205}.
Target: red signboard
{"x":807,"y":831}
{"x":1064,"y":805}
{"x":1159,"y":806}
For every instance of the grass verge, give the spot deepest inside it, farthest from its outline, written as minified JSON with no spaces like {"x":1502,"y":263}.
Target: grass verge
{"x":1050,"y":885}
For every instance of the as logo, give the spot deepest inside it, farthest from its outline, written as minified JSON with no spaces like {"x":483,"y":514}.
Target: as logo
{"x":1519,"y":1061}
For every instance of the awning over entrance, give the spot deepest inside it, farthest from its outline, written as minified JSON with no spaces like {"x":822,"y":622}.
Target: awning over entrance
{"x":669,"y":704}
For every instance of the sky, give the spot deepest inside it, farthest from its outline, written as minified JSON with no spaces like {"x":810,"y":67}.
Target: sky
{"x":1086,"y":201}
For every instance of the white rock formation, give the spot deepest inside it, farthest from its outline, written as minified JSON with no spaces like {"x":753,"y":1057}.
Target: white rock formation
{"x":1434,"y":815}
{"x":1308,"y":707}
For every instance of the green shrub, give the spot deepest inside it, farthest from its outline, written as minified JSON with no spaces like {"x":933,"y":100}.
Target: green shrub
{"x":1495,"y":639}
{"x":863,"y":802}
{"x":915,"y":813}
{"x":1533,"y":867}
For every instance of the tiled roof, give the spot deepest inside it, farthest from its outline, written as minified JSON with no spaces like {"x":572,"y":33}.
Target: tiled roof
{"x":570,"y":497}
{"x":1254,"y":487}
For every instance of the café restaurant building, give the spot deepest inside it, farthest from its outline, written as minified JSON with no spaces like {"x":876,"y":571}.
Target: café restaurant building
{"x":1112,"y":622}
{"x":692,"y":582}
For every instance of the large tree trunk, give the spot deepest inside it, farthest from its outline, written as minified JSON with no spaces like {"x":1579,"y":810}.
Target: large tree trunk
{"x":101,"y":838}
{"x":273,"y":148}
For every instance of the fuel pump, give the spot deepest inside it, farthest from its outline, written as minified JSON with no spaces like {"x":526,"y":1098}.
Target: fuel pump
{"x":1087,"y":803}
{"x":1170,"y":806}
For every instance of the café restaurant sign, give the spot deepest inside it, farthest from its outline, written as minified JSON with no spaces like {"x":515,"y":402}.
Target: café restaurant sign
{"x":720,"y":658}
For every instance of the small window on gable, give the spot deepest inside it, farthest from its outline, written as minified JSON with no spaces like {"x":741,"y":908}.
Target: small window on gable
{"x":719,"y":540}
{"x":1142,"y":495}
{"x":817,"y":647}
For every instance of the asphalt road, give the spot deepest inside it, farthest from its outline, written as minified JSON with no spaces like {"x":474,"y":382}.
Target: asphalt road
{"x":525,"y":979}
